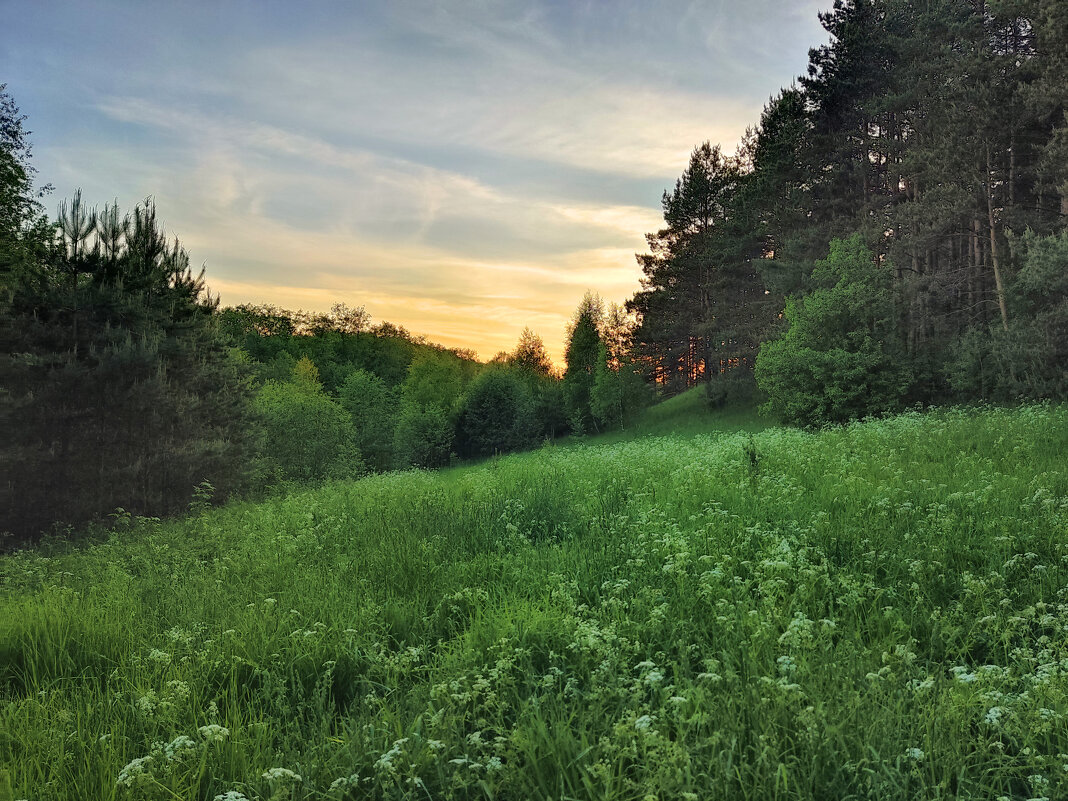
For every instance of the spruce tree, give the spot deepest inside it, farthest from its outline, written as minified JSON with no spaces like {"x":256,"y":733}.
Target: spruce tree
{"x":583,"y":353}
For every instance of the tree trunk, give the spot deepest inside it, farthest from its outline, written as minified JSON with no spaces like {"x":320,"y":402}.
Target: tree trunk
{"x":994,"y":260}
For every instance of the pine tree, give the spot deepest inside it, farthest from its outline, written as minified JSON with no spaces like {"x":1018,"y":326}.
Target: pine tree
{"x":123,"y":393}
{"x":582,"y":355}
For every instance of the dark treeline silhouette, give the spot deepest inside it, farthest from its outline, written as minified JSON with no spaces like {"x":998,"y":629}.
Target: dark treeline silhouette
{"x":930,"y":141}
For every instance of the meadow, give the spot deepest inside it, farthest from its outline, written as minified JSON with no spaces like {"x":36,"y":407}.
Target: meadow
{"x":877,"y":611}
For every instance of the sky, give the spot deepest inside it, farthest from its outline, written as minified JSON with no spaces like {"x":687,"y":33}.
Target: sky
{"x":463,"y":169}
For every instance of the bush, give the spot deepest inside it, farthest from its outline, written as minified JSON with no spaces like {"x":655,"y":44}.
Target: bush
{"x":619,"y":393}
{"x":424,"y":436}
{"x":497,"y":414}
{"x":1027,"y":360}
{"x":304,"y":435}
{"x":840,"y":358}
{"x":371,"y":406}
{"x":732,"y":388}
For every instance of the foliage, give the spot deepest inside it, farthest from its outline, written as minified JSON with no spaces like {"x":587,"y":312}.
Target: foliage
{"x":117,"y":387}
{"x":583,"y":350}
{"x":1026,"y":360}
{"x":661,"y":616}
{"x":530,"y":354}
{"x":838,"y":360}
{"x":372,"y":407}
{"x":497,"y":414}
{"x":429,"y":407}
{"x":424,"y":436}
{"x":939,"y":132}
{"x":304,"y":435}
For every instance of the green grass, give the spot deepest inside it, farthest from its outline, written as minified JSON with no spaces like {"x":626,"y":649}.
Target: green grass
{"x":685,"y":414}
{"x":878,"y":611}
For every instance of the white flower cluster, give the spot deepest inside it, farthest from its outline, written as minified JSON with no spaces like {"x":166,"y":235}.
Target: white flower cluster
{"x":214,"y":733}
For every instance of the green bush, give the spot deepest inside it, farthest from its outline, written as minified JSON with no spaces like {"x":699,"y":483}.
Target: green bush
{"x":424,"y":436}
{"x":1028,"y":359}
{"x":497,"y":414}
{"x":619,"y":393}
{"x":732,"y":388}
{"x":304,"y":435}
{"x":371,"y":406}
{"x":840,"y":358}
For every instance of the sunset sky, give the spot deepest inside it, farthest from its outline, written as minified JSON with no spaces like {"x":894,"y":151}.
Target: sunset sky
{"x":462,"y":169}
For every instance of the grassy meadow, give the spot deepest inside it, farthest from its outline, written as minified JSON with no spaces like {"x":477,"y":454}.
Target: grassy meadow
{"x":872,"y":612}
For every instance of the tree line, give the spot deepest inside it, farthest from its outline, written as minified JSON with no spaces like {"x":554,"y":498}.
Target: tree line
{"x":126,"y":390}
{"x":891,"y":232}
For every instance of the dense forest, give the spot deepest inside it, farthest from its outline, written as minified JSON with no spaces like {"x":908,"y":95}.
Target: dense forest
{"x":892,"y":231}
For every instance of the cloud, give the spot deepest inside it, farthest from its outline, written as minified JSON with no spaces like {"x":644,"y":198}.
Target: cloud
{"x":463,"y":169}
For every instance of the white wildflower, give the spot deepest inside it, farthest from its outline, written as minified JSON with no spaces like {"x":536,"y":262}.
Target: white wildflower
{"x":179,"y":748}
{"x":914,"y":754}
{"x":345,"y":782}
{"x":134,"y":770}
{"x":281,"y":775}
{"x":214,"y":733}
{"x":643,"y":723}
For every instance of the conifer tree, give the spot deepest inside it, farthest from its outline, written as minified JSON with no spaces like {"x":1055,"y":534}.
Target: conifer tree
{"x":117,"y":389}
{"x":583,"y":353}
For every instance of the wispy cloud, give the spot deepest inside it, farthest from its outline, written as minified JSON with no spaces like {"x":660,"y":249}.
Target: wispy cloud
{"x":463,"y":169}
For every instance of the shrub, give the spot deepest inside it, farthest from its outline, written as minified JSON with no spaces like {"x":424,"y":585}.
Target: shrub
{"x":497,"y":414}
{"x":371,"y":406}
{"x":1028,"y":359}
{"x":424,"y":436}
{"x":840,"y":358}
{"x":304,"y":435}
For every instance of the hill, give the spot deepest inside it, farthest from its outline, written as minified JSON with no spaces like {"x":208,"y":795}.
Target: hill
{"x":873,"y":611}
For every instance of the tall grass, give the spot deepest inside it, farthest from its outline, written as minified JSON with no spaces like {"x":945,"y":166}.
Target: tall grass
{"x":877,"y":611}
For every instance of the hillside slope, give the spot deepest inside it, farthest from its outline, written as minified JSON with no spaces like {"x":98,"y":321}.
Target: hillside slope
{"x":876,"y":611}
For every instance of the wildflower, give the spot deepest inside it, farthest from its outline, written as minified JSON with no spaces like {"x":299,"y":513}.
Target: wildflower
{"x":960,"y":673}
{"x":156,"y":655}
{"x":179,"y":748}
{"x":281,"y":775}
{"x":133,"y":771}
{"x":643,"y":723}
{"x":915,"y":754}
{"x":345,"y":782}
{"x":214,"y":733}
{"x":147,"y":703}
{"x":994,"y":714}
{"x":231,"y":795}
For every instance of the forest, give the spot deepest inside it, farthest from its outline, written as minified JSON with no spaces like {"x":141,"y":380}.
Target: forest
{"x":892,"y":232}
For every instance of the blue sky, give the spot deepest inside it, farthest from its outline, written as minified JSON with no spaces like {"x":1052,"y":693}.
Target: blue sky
{"x":464,"y":169}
